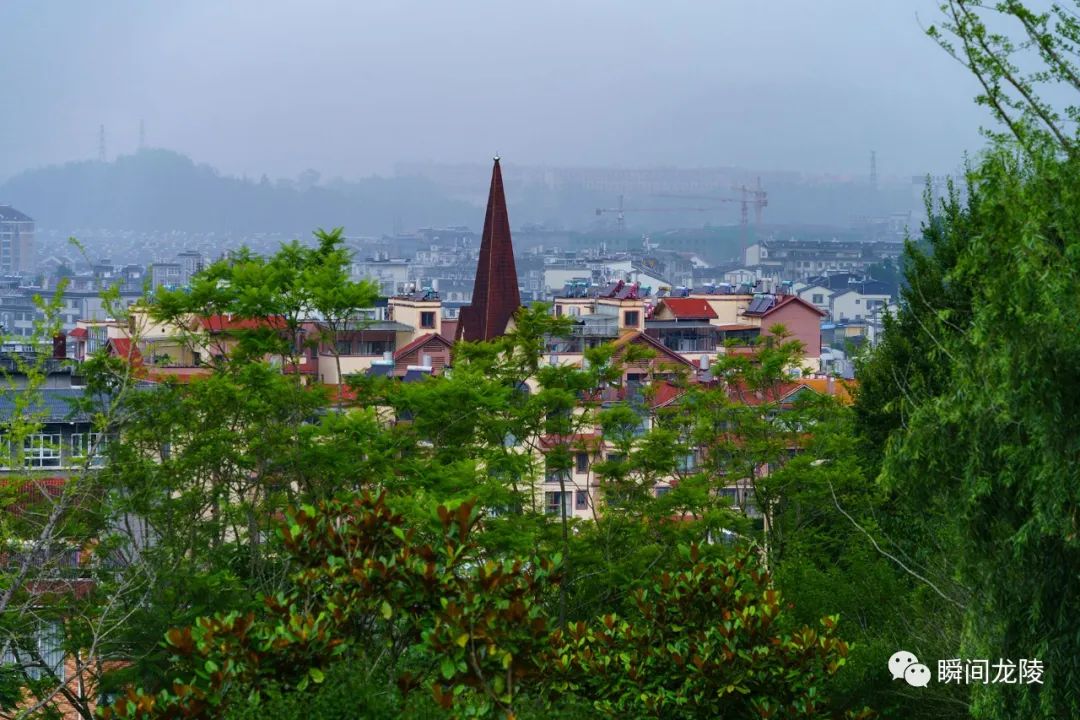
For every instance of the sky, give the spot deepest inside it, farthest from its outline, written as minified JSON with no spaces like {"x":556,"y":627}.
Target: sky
{"x":353,"y":87}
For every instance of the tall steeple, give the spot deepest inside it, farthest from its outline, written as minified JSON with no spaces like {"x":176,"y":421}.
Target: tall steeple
{"x":495,"y":296}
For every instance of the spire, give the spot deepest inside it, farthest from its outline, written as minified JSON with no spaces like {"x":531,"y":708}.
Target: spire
{"x":495,"y":296}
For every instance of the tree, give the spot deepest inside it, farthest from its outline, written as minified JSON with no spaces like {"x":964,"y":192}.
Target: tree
{"x":712,"y":637}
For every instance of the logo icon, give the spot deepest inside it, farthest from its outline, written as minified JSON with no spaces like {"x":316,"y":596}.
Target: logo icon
{"x":917,"y":675}
{"x":904,"y":665}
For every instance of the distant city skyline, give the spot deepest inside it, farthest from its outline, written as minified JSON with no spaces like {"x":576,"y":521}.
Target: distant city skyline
{"x":352,"y":89}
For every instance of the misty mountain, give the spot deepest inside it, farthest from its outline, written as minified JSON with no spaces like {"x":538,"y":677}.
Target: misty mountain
{"x":162,"y":190}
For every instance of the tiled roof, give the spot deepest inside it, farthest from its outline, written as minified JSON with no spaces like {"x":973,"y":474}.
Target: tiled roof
{"x":689,"y":308}
{"x":227,"y":323}
{"x":179,"y":374}
{"x":78,"y":333}
{"x":786,"y":300}
{"x":419,"y":343}
{"x":125,"y":350}
{"x":47,"y":405}
{"x":664,"y":394}
{"x":765,"y":305}
{"x":10,"y":214}
{"x":661,"y":349}
{"x":577,"y":440}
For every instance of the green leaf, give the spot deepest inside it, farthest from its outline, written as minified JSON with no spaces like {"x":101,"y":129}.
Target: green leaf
{"x":387,"y":611}
{"x":448,"y":668}
{"x":316,"y":674}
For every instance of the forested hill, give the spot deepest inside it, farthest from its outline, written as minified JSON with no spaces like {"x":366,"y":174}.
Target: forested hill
{"x":163,"y":190}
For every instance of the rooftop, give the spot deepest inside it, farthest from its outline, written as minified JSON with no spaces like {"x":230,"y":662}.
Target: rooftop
{"x":10,"y":214}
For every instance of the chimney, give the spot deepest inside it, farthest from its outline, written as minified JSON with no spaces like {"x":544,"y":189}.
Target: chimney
{"x":59,"y":347}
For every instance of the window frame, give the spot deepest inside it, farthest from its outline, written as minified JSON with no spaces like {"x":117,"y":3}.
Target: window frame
{"x":42,"y":453}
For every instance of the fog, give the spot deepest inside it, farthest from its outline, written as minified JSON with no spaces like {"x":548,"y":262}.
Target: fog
{"x":350,"y":88}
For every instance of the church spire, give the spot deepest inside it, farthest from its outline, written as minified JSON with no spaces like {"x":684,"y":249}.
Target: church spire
{"x":495,"y":296}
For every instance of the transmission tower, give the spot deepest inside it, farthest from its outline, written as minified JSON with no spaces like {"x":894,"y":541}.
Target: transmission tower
{"x":101,"y":144}
{"x":142,"y":134}
{"x":873,"y":170}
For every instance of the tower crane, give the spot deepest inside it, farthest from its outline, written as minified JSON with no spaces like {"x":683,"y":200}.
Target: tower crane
{"x":620,"y":210}
{"x":755,"y":197}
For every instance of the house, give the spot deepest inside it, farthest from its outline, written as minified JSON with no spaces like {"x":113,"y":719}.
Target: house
{"x":685,"y":325}
{"x":801,"y":319}
{"x":860,"y":301}
{"x":817,"y":295}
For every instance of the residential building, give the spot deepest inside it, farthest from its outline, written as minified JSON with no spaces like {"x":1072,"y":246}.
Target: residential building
{"x":797,"y":259}
{"x":16,"y":242}
{"x":860,"y":301}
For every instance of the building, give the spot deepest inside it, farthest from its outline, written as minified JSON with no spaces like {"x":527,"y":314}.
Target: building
{"x":16,"y":242}
{"x":392,"y":275}
{"x":860,"y":301}
{"x":797,"y":259}
{"x":496,"y":296}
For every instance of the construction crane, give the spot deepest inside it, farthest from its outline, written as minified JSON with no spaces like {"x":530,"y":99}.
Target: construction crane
{"x":754,"y":196}
{"x":620,"y":211}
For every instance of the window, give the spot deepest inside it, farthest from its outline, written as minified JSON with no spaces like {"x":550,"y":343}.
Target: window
{"x":687,"y":462}
{"x":48,"y":643}
{"x":85,"y":445}
{"x":581,"y":461}
{"x":556,"y":503}
{"x":858,"y":301}
{"x":41,"y":451}
{"x":630,"y":318}
{"x":662,"y":491}
{"x":344,"y":347}
{"x":427,"y":319}
{"x":818,"y":298}
{"x":374,"y":347}
{"x":558,"y":311}
{"x":582,"y":500}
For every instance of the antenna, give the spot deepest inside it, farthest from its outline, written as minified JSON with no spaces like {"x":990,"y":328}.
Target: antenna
{"x":101,"y":144}
{"x":142,"y":134}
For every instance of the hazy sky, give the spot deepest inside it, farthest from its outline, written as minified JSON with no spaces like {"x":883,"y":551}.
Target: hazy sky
{"x":350,"y":87}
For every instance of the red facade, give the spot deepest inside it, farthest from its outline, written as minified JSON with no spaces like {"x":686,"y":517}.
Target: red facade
{"x":495,"y":296}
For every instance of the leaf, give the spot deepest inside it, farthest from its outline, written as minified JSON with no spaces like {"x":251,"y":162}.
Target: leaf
{"x":448,"y":668}
{"x":387,"y":610}
{"x":316,"y":674}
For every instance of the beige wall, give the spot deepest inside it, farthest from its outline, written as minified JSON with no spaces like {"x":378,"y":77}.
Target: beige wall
{"x":408,"y":312}
{"x":350,"y":365}
{"x":727,"y":307}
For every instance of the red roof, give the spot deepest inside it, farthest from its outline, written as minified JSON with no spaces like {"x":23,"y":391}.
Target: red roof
{"x":123,"y":348}
{"x":307,"y":366}
{"x":689,"y":308}
{"x":419,"y":343}
{"x":179,"y":374}
{"x":577,"y":440}
{"x":78,"y":333}
{"x":227,"y":323}
{"x":785,"y":300}
{"x":664,"y":394}
{"x":637,"y":336}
